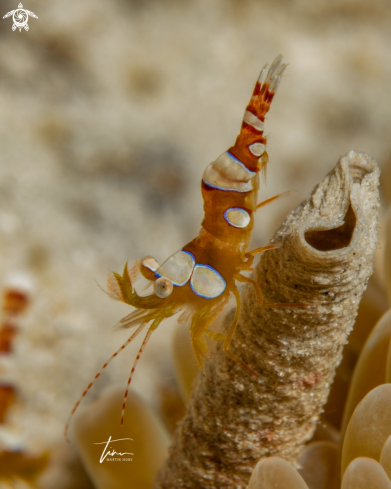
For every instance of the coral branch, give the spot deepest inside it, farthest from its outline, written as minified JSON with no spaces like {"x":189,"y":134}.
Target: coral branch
{"x":324,"y":257}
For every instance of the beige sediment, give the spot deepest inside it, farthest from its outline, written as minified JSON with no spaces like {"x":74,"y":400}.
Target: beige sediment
{"x":325,"y":258}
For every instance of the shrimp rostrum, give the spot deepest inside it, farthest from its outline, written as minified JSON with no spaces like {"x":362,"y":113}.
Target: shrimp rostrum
{"x":199,"y":279}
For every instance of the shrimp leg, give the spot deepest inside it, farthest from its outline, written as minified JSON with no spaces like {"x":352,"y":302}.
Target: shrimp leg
{"x":272,"y":199}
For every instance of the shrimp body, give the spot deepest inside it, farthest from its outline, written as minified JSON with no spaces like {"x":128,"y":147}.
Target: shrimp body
{"x":199,"y":279}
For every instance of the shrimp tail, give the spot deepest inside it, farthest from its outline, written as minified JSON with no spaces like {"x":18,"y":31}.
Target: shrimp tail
{"x":250,"y":145}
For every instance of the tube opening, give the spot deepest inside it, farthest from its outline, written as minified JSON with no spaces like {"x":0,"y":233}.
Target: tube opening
{"x":333,"y":239}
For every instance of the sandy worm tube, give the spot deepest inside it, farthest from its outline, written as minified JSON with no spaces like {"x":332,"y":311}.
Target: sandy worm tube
{"x":325,"y":257}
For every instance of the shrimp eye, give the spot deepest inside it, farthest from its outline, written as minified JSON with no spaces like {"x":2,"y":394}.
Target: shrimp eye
{"x":163,"y":287}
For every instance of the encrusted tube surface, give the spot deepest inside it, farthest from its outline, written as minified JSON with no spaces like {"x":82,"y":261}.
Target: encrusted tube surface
{"x":324,"y":258}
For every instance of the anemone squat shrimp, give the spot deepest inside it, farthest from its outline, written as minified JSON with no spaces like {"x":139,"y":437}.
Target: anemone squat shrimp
{"x":199,"y":279}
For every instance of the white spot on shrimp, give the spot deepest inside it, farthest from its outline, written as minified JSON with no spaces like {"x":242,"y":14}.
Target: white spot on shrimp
{"x":228,"y":173}
{"x":178,"y":268}
{"x":237,"y":217}
{"x":207,"y":282}
{"x":257,"y":149}
{"x":150,"y":263}
{"x":252,"y":120}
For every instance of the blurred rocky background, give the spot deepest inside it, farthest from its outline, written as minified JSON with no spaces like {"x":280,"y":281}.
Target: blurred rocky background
{"x":109,"y":113}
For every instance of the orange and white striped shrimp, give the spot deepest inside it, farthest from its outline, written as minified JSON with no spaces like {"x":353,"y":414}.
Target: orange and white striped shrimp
{"x":199,"y":278}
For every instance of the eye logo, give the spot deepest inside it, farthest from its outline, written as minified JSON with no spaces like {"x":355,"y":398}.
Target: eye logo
{"x":20,"y":17}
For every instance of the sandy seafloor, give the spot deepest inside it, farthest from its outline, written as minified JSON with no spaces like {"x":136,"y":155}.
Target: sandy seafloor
{"x":109,"y":113}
